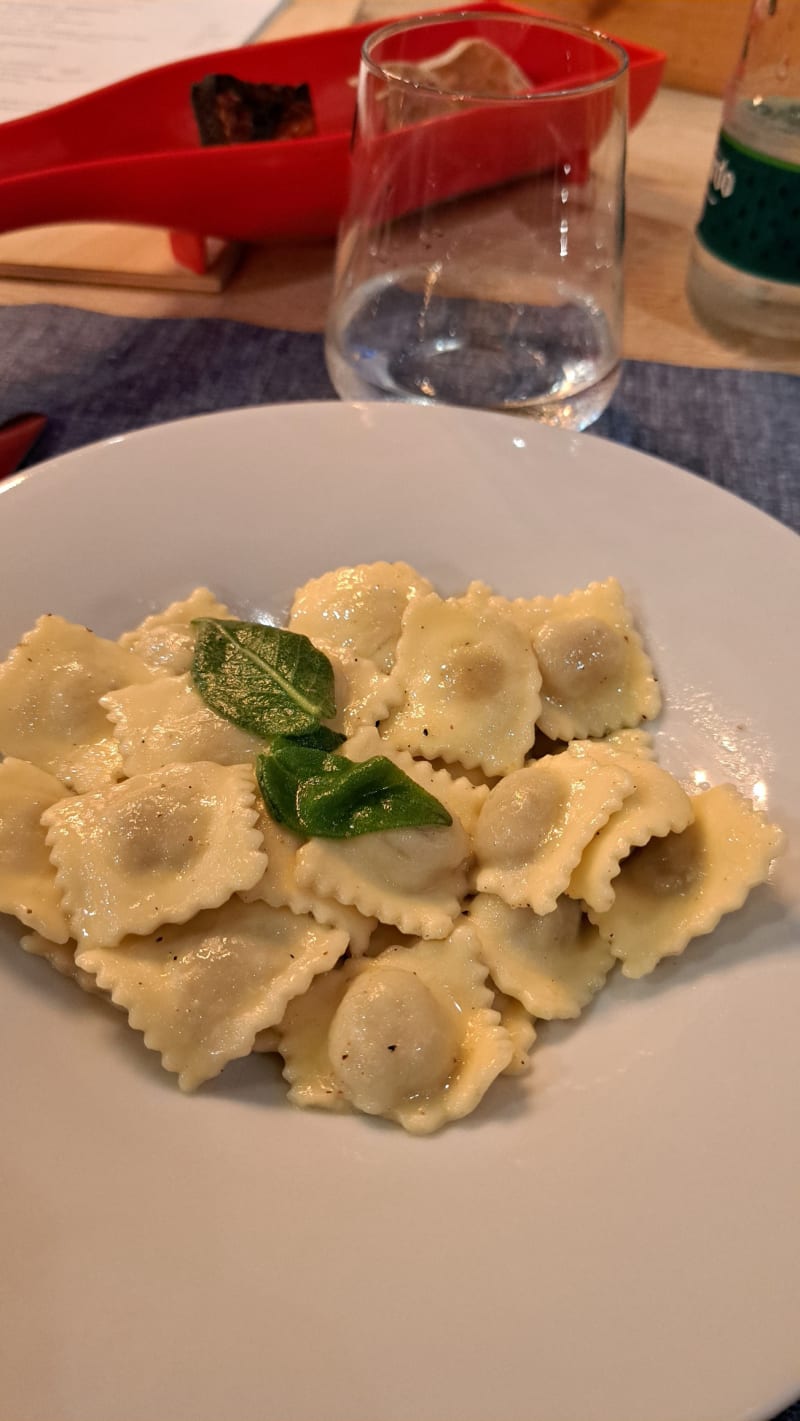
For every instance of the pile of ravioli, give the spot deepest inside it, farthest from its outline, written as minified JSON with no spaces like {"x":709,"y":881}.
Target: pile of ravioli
{"x":397,"y":973}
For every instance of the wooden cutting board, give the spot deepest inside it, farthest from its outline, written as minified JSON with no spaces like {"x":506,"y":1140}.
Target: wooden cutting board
{"x":107,"y":254}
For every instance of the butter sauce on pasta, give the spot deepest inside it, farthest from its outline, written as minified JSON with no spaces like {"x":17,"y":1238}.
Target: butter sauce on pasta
{"x":397,"y":973}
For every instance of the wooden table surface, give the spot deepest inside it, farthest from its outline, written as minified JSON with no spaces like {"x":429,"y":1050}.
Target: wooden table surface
{"x":668,"y":164}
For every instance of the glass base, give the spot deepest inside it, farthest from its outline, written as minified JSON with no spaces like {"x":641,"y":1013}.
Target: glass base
{"x":556,"y":364}
{"x":576,"y":411}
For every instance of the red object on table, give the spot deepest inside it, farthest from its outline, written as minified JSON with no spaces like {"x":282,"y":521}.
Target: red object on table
{"x":17,"y":438}
{"x":189,"y":250}
{"x":130,"y":152}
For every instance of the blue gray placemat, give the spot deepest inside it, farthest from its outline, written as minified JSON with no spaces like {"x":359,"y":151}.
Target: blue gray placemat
{"x":96,"y":376}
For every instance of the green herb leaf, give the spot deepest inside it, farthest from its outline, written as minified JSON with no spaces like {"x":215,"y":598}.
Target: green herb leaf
{"x":282,"y":769}
{"x":327,"y":796}
{"x":368,"y":798}
{"x":320,"y":739}
{"x":265,"y":680}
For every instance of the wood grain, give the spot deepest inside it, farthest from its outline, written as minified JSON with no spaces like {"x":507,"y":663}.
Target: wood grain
{"x":110,"y":254}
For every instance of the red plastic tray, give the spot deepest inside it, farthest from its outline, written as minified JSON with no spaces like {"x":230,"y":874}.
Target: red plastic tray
{"x":130,"y":152}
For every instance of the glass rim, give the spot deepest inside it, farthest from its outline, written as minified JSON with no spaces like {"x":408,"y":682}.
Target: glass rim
{"x":444,"y":17}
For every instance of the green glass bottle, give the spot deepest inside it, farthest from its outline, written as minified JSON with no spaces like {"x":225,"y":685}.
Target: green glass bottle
{"x":744,"y":272}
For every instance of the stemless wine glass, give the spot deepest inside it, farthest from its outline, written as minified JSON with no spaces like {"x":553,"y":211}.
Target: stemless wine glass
{"x":480,"y":257}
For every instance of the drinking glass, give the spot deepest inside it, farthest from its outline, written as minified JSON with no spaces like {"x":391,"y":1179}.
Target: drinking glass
{"x":480,"y":256}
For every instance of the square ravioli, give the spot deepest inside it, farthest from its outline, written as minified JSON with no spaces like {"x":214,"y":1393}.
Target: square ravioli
{"x":50,"y":712}
{"x":677,"y":888}
{"x":596,"y":675}
{"x":465,"y":685}
{"x":201,"y":991}
{"x":412,"y":878}
{"x":358,"y":609}
{"x":165,"y":722}
{"x":165,"y":641}
{"x":553,"y":965}
{"x":411,"y":1035}
{"x":155,"y":849}
{"x":657,"y":806}
{"x":28,"y":886}
{"x":536,"y":824}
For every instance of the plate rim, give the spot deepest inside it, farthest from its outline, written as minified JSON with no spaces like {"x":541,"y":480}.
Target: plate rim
{"x":59,"y":463}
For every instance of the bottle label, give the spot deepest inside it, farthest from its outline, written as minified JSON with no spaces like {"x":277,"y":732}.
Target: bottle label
{"x":751,"y":219}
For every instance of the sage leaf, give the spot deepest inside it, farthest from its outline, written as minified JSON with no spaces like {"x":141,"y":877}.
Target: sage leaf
{"x":263,"y":679}
{"x":326,"y":796}
{"x":320,"y":739}
{"x":282,"y":769}
{"x":368,"y":798}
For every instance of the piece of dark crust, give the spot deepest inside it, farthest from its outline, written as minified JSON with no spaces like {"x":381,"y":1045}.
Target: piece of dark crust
{"x":229,"y":110}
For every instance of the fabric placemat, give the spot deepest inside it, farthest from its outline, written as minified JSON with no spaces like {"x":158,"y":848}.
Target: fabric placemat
{"x":94,"y":376}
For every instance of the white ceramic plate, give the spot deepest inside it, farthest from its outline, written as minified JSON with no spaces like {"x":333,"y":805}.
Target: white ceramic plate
{"x":616,"y":1238}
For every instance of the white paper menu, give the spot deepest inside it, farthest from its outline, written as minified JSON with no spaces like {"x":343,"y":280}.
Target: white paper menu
{"x":54,"y":50}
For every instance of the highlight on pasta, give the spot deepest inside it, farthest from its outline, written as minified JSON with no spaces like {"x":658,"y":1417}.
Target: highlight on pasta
{"x":382,"y":842}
